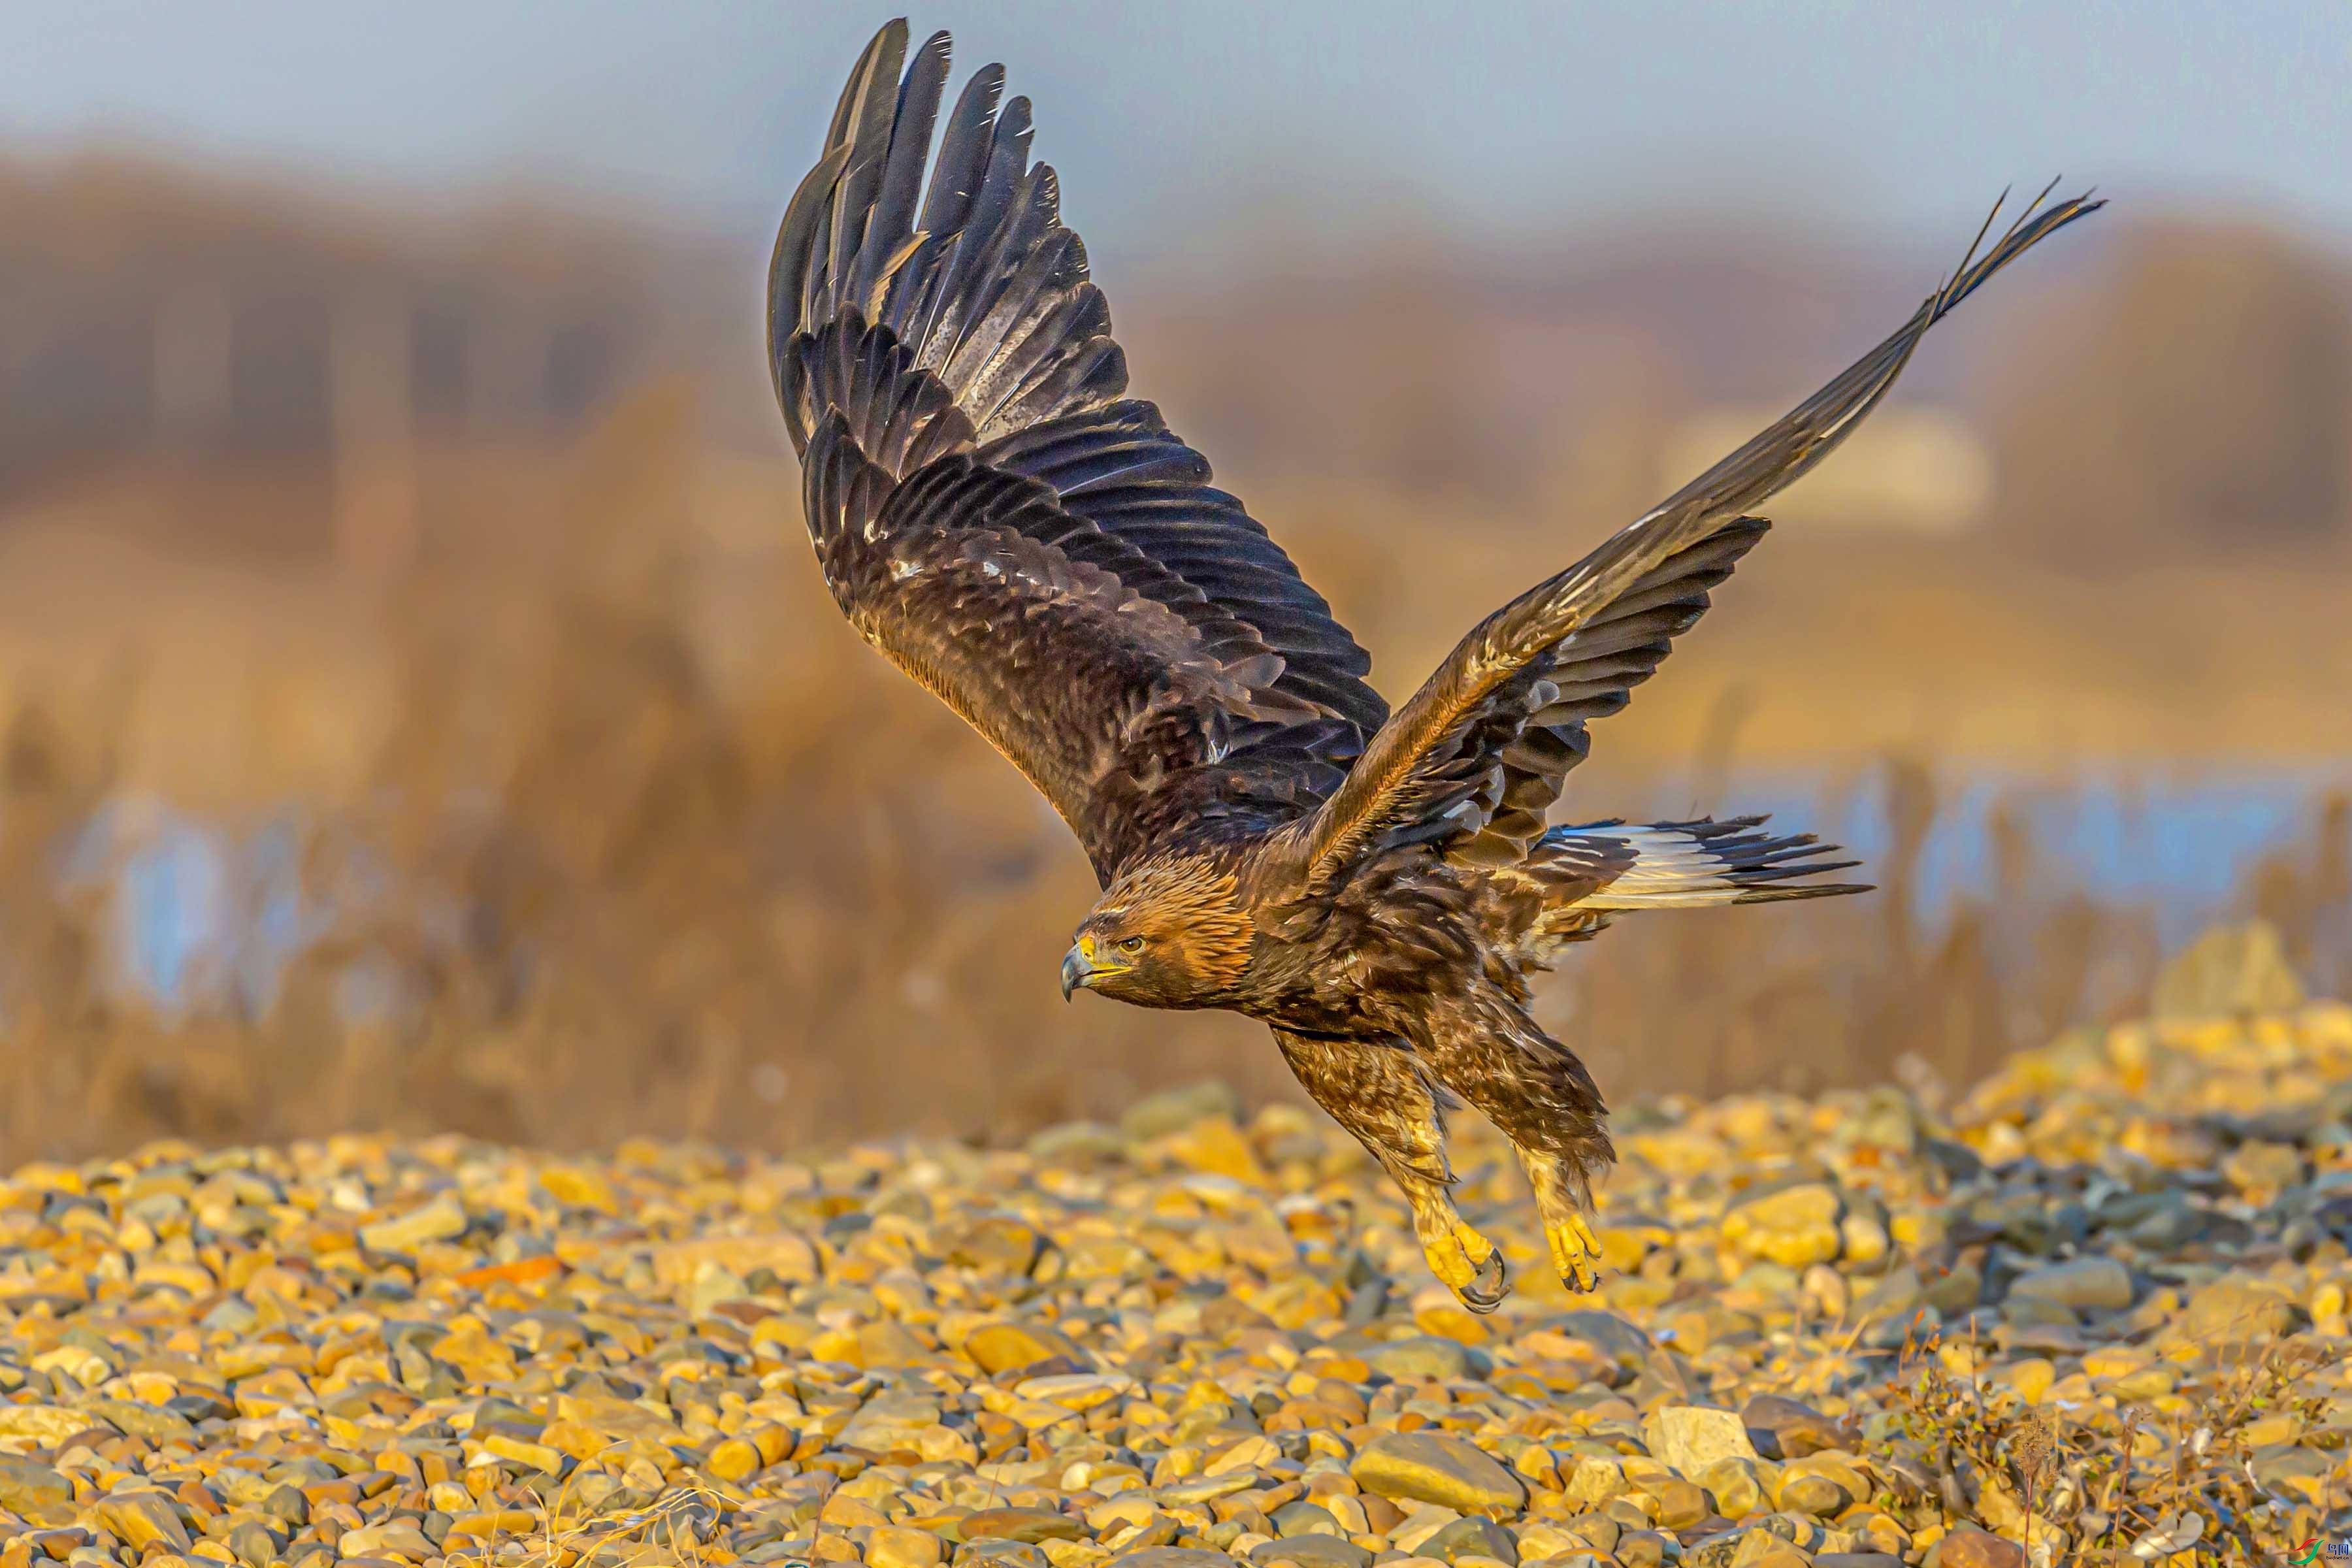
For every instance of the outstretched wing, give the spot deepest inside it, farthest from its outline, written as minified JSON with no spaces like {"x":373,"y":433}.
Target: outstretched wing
{"x":1474,"y":757}
{"x":992,"y":514}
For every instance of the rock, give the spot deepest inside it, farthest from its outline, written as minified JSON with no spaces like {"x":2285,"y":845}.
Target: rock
{"x":1641,"y":1549}
{"x":1717,"y":1550}
{"x":1857,"y":1560}
{"x":892,"y":1546}
{"x":393,"y":1538}
{"x":1315,"y":1550}
{"x":1472,"y":1537}
{"x":144,"y":1519}
{"x":1007,"y":1347}
{"x":1738,"y":1489}
{"x":152,"y":1421}
{"x":1422,"y":1356}
{"x":1304,"y":1518}
{"x":252,"y":1545}
{"x":1174,"y":1110}
{"x":2083,"y":1284}
{"x":1690,"y":1436}
{"x":1785,"y":1428}
{"x":27,"y":1487}
{"x":1792,"y":1225}
{"x":1437,"y":1468}
{"x":1419,"y":1526}
{"x":1969,"y":1547}
{"x":1681,"y":1503}
{"x":1026,"y":1525}
{"x":1611,"y":1335}
{"x":995,"y":1243}
{"x":2234,"y":1312}
{"x":436,"y":1220}
{"x":1171,"y":1557}
{"x":1817,"y":1495}
{"x":733,"y":1460}
{"x":45,"y":1425}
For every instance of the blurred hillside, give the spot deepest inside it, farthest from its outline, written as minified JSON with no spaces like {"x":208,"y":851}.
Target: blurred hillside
{"x":425,"y":712}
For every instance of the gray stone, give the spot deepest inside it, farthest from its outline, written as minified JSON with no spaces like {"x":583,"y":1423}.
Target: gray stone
{"x":25,"y":1487}
{"x":252,"y":1545}
{"x":1313,"y":1551}
{"x":1607,"y":1332}
{"x":1420,"y":1356}
{"x":1690,"y":1438}
{"x":1471,"y":1537}
{"x":1305,"y":1518}
{"x":2083,"y":1284}
{"x":1785,"y":1428}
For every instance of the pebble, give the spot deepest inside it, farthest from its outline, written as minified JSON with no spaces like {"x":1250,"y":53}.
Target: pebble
{"x":1690,"y":1438}
{"x":1199,"y":1336}
{"x":2083,"y":1284}
{"x":1437,"y":1468}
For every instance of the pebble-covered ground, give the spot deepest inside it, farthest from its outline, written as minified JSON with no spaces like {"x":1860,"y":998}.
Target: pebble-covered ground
{"x":2098,"y":1308}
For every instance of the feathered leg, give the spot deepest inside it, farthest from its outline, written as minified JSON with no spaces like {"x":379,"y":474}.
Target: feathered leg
{"x":1486,"y":1048}
{"x":1382,"y":1097}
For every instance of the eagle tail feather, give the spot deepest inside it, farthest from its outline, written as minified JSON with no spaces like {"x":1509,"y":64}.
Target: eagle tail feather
{"x":1608,"y":866}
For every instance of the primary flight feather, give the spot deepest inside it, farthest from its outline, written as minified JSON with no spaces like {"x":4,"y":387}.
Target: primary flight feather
{"x":997,"y":518}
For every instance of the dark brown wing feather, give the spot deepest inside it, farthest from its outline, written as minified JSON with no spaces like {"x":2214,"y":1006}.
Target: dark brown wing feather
{"x":1458,"y":765}
{"x":992,"y":514}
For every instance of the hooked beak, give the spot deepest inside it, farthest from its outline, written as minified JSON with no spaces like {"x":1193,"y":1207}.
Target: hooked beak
{"x":1078,"y":968}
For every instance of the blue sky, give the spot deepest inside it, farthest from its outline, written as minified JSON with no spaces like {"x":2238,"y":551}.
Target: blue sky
{"x":1894,"y":119}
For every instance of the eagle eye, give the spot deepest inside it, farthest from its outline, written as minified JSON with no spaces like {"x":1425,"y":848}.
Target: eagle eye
{"x":1131,"y":944}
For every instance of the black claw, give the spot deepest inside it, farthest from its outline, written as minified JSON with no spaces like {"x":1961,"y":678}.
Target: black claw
{"x":1486,"y":1293}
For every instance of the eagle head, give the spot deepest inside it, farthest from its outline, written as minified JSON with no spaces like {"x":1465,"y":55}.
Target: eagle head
{"x":1168,"y":934}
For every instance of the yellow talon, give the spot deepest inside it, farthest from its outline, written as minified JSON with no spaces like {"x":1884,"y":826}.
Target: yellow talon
{"x":1476,"y":1247}
{"x":1574,"y":1251}
{"x":1468,"y":1265}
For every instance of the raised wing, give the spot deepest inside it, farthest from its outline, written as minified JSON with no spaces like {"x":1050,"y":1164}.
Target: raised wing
{"x":992,"y":514}
{"x":1474,"y":757}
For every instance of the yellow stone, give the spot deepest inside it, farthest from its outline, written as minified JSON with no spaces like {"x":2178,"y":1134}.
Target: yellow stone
{"x":1215,"y":1146}
{"x":2031,"y":1377}
{"x":849,"y":1511}
{"x":786,"y":1254}
{"x":895,"y":1546}
{"x":1865,"y":1239}
{"x":1448,"y":1319}
{"x":2114,"y":1360}
{"x":1002,"y":1347}
{"x":734,"y":1460}
{"x":539,"y":1455}
{"x":143,"y":1520}
{"x":578,"y":1188}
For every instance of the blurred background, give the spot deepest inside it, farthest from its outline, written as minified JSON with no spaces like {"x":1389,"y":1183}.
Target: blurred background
{"x":419,"y":708}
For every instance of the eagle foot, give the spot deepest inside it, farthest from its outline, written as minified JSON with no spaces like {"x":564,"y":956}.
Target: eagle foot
{"x":1575,"y":1251}
{"x":1486,"y":1292}
{"x":1468,"y":1265}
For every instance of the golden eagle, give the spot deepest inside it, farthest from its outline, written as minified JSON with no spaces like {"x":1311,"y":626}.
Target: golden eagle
{"x":994,"y":514}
